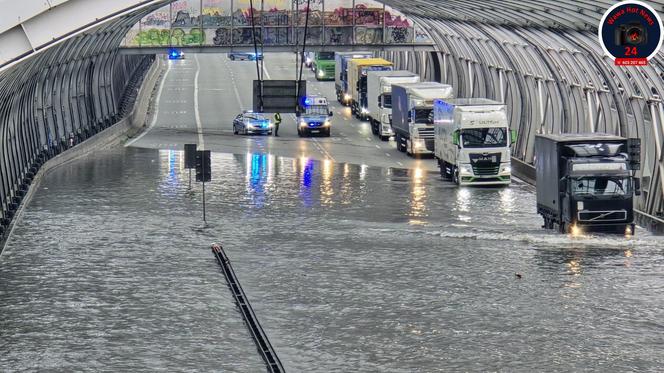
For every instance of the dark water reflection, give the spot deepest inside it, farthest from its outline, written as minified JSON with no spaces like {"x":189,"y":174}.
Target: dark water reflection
{"x":349,"y":268}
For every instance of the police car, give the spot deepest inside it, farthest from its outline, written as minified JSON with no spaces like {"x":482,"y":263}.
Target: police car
{"x":314,"y":117}
{"x":250,"y":123}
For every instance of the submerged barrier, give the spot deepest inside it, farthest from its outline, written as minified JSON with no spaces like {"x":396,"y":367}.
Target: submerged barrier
{"x":258,"y":335}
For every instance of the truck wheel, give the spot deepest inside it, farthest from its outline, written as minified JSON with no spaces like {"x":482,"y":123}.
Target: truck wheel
{"x":562,"y":228}
{"x":232,"y":58}
{"x":234,"y":130}
{"x":384,"y":138}
{"x":374,"y":127}
{"x":455,"y":175}
{"x":397,"y":138}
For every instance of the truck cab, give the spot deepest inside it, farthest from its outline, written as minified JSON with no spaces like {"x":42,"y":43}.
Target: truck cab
{"x":379,"y":97}
{"x":323,"y":65}
{"x":473,"y":141}
{"x":341,"y":73}
{"x":314,"y":117}
{"x":585,"y":182}
{"x":412,"y":115}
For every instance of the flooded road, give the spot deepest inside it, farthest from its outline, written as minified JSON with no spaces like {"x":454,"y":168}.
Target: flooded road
{"x":348,"y":267}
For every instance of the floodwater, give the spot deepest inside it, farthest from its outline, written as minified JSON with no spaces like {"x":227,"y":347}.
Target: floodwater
{"x":348,"y":267}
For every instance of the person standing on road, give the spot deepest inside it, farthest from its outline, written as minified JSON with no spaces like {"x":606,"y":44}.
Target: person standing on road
{"x":277,"y":122}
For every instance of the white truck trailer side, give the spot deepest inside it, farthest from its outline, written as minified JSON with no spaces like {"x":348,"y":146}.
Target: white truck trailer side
{"x":379,"y":95}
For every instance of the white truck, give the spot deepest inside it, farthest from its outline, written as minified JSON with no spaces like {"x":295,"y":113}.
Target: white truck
{"x":379,"y":94}
{"x":412,"y":114}
{"x":472,"y":141}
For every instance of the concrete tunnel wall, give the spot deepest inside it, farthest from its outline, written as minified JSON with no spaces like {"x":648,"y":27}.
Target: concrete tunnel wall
{"x":553,"y":81}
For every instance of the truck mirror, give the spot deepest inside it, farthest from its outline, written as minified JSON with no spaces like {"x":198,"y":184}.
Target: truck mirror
{"x":562,"y":184}
{"x":455,"y":138}
{"x":513,"y":136}
{"x":330,"y":114}
{"x":637,"y":186}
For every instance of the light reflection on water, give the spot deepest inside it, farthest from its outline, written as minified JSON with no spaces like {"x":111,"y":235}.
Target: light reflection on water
{"x":349,"y":268}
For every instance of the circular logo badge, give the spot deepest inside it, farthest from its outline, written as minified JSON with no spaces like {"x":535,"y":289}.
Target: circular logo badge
{"x":630,"y":32}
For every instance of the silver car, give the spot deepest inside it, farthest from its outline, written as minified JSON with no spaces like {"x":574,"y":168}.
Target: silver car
{"x":250,"y":123}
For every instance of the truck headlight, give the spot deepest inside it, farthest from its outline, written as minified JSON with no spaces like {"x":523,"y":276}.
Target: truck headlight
{"x":364,"y":110}
{"x":308,"y":61}
{"x":321,"y":73}
{"x":419,"y":143}
{"x":347,"y":97}
{"x":465,"y":170}
{"x":506,"y":169}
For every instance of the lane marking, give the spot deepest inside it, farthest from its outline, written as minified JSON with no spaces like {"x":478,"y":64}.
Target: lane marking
{"x":197,"y":111}
{"x":388,"y":154}
{"x":377,"y":146}
{"x":156,"y":108}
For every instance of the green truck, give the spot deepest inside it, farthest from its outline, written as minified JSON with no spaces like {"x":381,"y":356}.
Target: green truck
{"x":322,"y":65}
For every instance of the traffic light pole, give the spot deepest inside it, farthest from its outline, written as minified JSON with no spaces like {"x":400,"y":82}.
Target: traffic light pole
{"x":204,"y":220}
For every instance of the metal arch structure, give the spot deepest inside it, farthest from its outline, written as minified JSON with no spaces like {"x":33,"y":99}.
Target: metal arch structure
{"x":28,"y":27}
{"x":62,"y":93}
{"x":542,"y":59}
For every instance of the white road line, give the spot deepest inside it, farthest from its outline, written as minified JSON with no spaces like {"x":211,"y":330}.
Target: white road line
{"x":377,"y":146}
{"x":197,"y":112}
{"x":388,"y":154}
{"x":400,"y":164}
{"x":156,"y":108}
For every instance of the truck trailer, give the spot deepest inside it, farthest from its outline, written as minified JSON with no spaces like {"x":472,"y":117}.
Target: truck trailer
{"x":472,"y":141}
{"x":341,"y":73}
{"x":412,"y":114}
{"x":379,"y":98}
{"x":357,"y":82}
{"x":585,"y":182}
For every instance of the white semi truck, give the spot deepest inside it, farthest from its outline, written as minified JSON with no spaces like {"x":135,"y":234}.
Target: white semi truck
{"x":379,"y":95}
{"x":472,"y":141}
{"x":412,"y":114}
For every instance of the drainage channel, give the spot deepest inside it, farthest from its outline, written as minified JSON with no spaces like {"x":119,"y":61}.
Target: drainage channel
{"x":262,"y":343}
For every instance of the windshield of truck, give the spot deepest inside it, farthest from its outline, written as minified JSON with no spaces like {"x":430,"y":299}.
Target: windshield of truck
{"x":484,"y":137}
{"x":387,"y":101}
{"x":326,"y":55}
{"x":317,"y":110}
{"x":605,"y":186}
{"x":423,"y":116}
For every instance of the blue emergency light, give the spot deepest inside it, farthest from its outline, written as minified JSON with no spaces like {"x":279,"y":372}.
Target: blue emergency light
{"x":174,"y":54}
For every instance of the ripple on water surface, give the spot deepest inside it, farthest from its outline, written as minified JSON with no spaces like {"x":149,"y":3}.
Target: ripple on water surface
{"x":349,"y":268}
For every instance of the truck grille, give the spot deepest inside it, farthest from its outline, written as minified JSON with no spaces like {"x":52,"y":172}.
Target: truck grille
{"x":486,"y":170}
{"x":486,"y":164}
{"x":425,"y":133}
{"x":593,"y":216}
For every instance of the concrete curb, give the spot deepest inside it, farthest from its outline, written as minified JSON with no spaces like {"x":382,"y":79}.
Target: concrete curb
{"x":108,"y":138}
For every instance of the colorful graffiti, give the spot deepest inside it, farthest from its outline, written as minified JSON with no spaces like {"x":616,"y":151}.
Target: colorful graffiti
{"x":211,"y":22}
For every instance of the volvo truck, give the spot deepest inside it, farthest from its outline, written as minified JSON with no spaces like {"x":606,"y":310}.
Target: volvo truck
{"x":341,"y":73}
{"x":472,"y":141}
{"x":357,"y":82}
{"x":379,"y":98}
{"x":586,"y":183}
{"x":412,"y":115}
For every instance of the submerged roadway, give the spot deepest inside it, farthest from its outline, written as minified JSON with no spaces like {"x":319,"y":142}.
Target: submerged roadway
{"x":354,"y":257}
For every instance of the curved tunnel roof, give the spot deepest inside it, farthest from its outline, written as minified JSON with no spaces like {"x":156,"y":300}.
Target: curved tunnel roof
{"x":570,"y":14}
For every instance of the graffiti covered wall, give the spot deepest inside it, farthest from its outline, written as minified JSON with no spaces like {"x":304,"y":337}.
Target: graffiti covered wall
{"x":276,"y":22}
